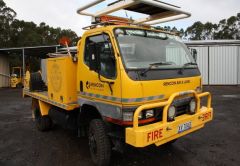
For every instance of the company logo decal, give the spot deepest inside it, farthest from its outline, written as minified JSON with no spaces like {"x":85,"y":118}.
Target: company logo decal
{"x":172,"y":83}
{"x":94,"y":85}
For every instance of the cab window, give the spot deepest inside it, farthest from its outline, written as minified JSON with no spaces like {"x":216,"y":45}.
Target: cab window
{"x":105,"y":53}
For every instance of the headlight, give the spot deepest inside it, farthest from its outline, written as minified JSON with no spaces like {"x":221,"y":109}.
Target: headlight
{"x":192,"y":106}
{"x":171,"y":113}
{"x":149,"y":113}
{"x":128,"y":116}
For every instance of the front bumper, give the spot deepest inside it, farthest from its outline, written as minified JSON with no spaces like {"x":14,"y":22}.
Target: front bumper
{"x":164,"y":131}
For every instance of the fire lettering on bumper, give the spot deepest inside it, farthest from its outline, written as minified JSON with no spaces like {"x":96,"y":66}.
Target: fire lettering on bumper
{"x":154,"y":135}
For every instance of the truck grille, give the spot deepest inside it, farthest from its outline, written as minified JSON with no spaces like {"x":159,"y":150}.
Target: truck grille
{"x":182,"y":107}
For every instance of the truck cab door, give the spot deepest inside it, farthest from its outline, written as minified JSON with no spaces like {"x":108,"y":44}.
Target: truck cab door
{"x":98,"y":70}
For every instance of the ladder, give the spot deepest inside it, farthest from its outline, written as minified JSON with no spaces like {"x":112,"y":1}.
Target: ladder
{"x":157,"y":11}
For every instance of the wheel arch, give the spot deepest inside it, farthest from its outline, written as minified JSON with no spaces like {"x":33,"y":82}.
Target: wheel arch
{"x":87,"y":113}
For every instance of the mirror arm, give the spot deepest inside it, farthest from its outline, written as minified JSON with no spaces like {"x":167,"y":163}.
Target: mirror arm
{"x":110,"y":87}
{"x":110,"y":83}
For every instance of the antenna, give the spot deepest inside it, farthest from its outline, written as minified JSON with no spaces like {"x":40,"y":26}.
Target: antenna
{"x":156,"y":11}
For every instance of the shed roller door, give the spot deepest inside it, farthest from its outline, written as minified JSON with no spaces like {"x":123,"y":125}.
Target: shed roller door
{"x":223,"y":65}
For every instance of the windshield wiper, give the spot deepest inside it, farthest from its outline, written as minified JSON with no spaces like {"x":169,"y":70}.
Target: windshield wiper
{"x":154,"y":64}
{"x":186,"y":65}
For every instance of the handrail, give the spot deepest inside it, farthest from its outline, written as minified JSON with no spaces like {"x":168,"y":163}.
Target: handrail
{"x":167,"y":104}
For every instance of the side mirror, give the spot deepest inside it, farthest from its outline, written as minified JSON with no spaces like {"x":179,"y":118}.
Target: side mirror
{"x":194,"y":53}
{"x":94,"y":62}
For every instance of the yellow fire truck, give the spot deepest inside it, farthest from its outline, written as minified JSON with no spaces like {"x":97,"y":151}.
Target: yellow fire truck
{"x":128,"y":83}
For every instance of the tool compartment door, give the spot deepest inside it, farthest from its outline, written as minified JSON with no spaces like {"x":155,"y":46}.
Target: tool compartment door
{"x":61,"y":78}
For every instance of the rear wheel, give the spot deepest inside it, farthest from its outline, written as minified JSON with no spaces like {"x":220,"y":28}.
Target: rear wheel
{"x":43,"y":123}
{"x":99,"y":143}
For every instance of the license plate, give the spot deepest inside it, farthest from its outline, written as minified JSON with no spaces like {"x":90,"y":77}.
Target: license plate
{"x":184,"y":127}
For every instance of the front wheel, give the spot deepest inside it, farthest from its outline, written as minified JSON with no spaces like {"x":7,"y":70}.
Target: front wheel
{"x":99,"y":143}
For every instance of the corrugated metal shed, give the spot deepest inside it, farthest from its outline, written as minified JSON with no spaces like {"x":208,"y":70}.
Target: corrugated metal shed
{"x":238,"y":65}
{"x":218,"y":60}
{"x":36,"y":51}
{"x":223,"y":65}
{"x":4,"y":71}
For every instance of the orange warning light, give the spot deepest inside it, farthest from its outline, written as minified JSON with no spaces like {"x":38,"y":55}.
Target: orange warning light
{"x":64,"y":41}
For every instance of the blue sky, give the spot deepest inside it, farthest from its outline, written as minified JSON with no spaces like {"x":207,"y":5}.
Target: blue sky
{"x":62,"y":13}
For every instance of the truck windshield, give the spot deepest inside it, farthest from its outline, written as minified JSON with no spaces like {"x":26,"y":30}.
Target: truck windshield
{"x":142,"y":48}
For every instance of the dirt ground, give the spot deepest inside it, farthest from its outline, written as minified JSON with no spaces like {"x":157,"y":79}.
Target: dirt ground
{"x":22,"y":145}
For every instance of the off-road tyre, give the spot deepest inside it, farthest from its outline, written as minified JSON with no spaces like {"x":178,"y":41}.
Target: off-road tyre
{"x":99,"y":143}
{"x":36,"y":83}
{"x":43,"y":123}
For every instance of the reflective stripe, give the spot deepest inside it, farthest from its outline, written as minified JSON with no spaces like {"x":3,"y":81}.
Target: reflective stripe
{"x":124,"y":100}
{"x":47,"y":100}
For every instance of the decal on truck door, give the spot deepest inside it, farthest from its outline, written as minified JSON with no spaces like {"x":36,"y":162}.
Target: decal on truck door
{"x":94,"y":85}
